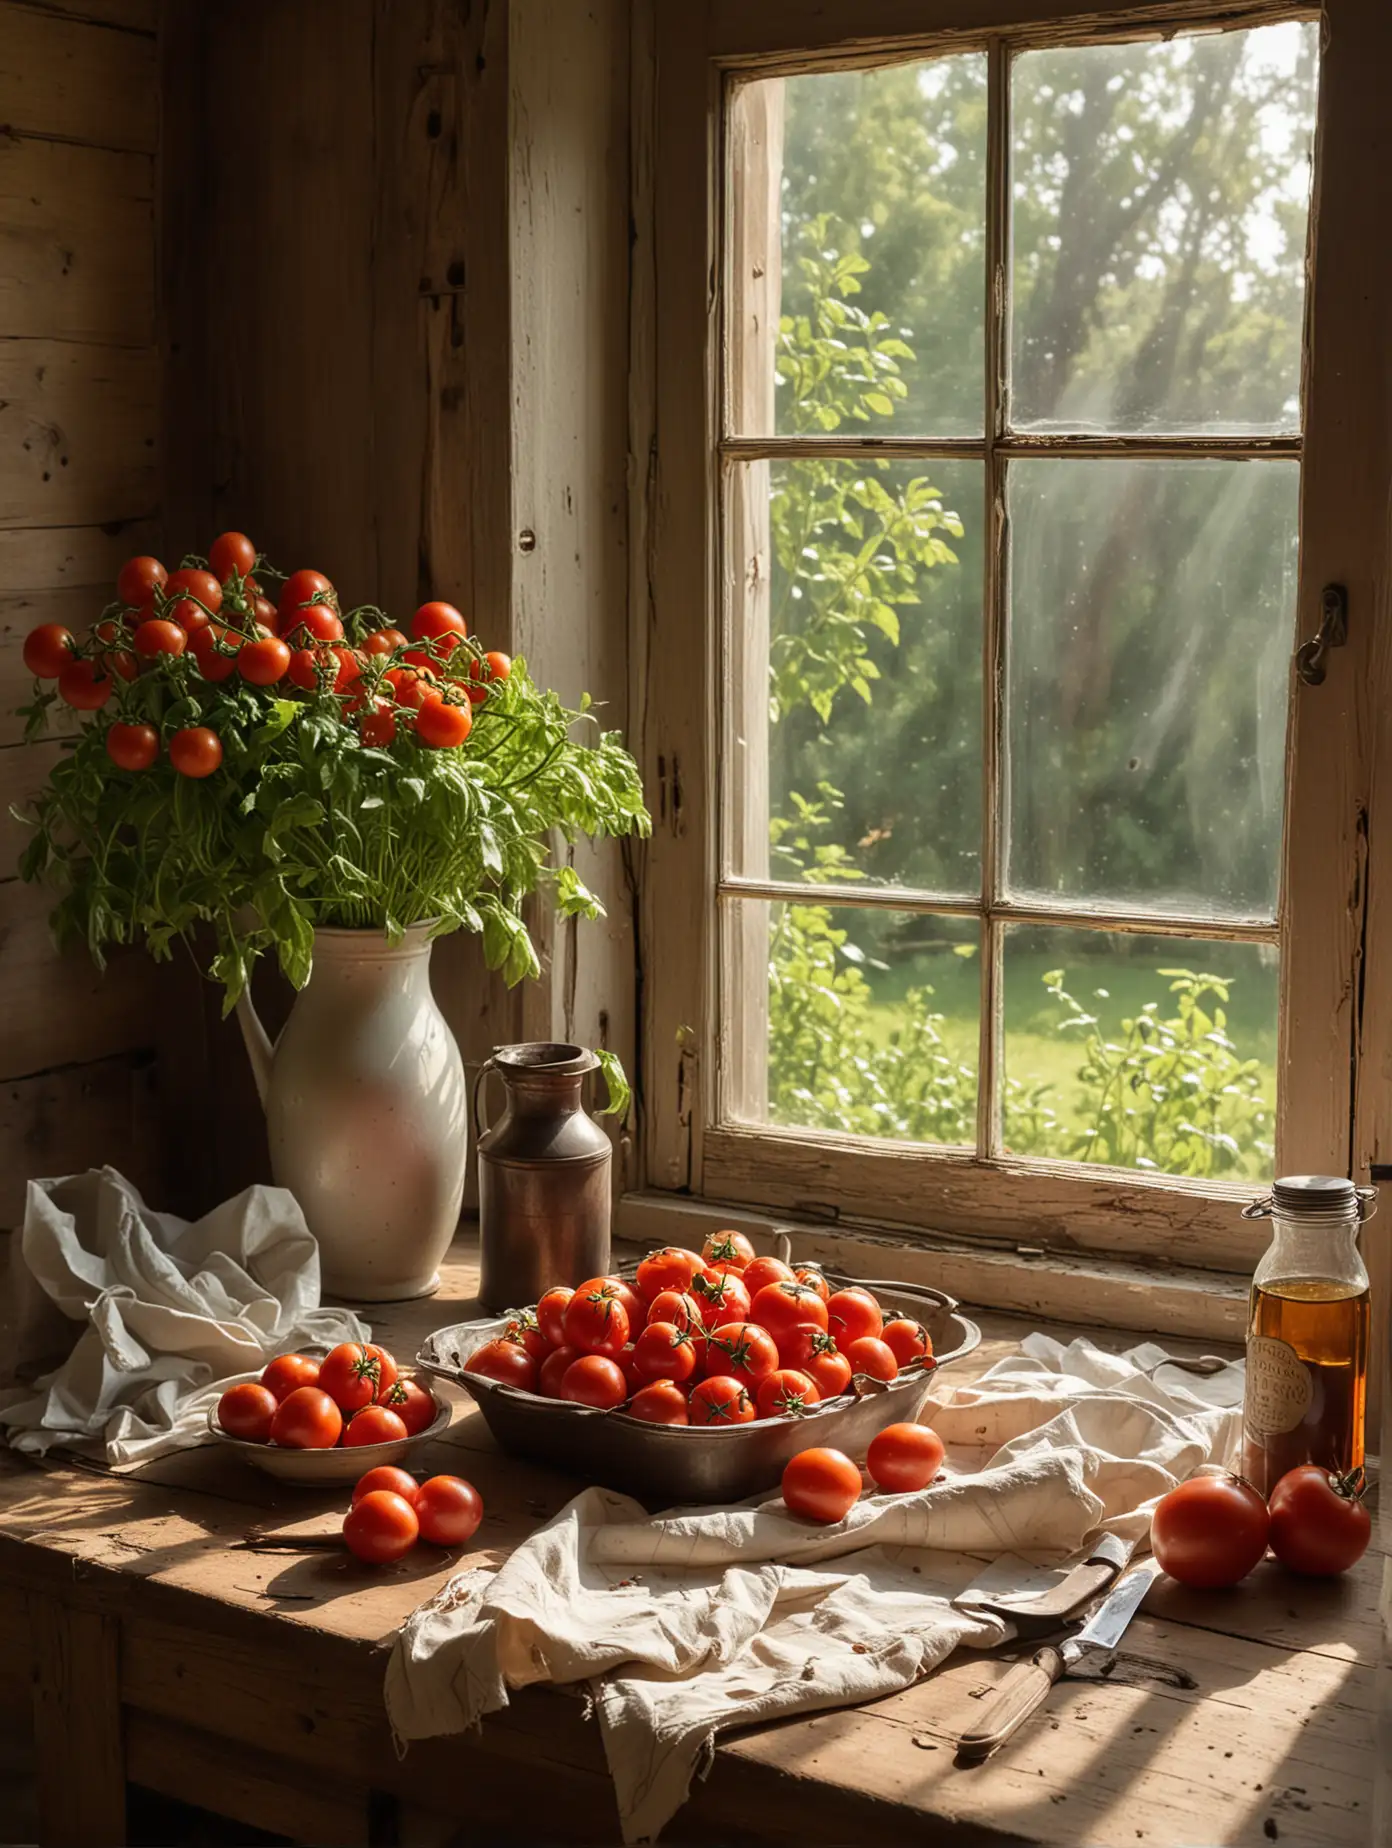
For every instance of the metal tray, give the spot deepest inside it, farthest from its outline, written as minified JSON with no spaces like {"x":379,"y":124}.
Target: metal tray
{"x":669,"y":1465}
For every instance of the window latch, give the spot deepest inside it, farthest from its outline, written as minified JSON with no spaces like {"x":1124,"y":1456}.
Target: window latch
{"x":1333,"y":633}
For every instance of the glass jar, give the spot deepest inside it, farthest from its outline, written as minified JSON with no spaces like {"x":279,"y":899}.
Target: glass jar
{"x":1307,"y":1331}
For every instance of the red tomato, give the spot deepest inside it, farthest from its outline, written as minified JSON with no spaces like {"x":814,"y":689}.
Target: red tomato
{"x":664,"y":1352}
{"x":294,"y":600}
{"x":381,"y":1527}
{"x":907,"y":1340}
{"x":741,"y":1351}
{"x":903,"y":1457}
{"x":84,"y":685}
{"x":246,"y":1412}
{"x":307,"y":1419}
{"x":139,"y":579}
{"x":632,"y":1378}
{"x":387,"y":1476}
{"x":193,"y":581}
{"x":728,"y":1248}
{"x":264,"y":662}
{"x":871,"y":1356}
{"x":383,"y":642}
{"x":1319,"y":1525}
{"x":266,"y":615}
{"x":631,"y":1300}
{"x":594,"y":1380}
{"x":553,"y":1370}
{"x":1210,"y":1531}
{"x":348,"y":1373}
{"x":215,"y":650}
{"x":660,"y":1402}
{"x":190,"y":616}
{"x":672,"y":1268}
{"x":377,"y":728}
{"x":550,"y":1313}
{"x":374,"y":1424}
{"x":493,"y":666}
{"x":760,"y":1272}
{"x":312,"y":668}
{"x":440,"y":623}
{"x":387,"y":1368}
{"x":851,"y":1314}
{"x":289,"y":1371}
{"x":722,"y":1295}
{"x":680,"y":1307}
{"x":409,"y":688}
{"x":596,"y":1321}
{"x":196,"y":751}
{"x":442,"y":726}
{"x":132,"y":747}
{"x":524,"y":1329}
{"x":813,"y":1278}
{"x":316,"y":622}
{"x":811,"y":1350}
{"x":449,"y":1510}
{"x":231,"y":552}
{"x":47,"y":650}
{"x":411,"y":1402}
{"x":508,"y":1362}
{"x":782,"y":1307}
{"x":157,"y":638}
{"x":786,"y":1394}
{"x":720,"y":1400}
{"x":822,"y":1485}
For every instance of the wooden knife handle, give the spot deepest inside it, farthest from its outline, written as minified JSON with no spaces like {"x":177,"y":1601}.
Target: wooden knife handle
{"x":1023,"y":1689}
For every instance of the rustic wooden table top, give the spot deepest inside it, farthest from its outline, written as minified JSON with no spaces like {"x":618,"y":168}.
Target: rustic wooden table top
{"x":1235,"y":1718}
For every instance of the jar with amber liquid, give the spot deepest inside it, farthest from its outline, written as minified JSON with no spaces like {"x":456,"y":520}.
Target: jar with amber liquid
{"x":1307,"y":1332}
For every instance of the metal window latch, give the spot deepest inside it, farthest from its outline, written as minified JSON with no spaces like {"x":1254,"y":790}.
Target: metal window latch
{"x":1333,"y":633}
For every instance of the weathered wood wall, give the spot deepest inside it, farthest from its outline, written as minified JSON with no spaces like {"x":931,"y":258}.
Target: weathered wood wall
{"x":79,"y":491}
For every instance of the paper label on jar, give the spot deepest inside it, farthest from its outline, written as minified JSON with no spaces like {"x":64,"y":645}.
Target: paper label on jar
{"x":1279,"y":1387}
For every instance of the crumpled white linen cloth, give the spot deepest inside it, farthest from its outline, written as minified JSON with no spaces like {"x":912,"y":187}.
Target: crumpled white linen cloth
{"x":169,"y":1313}
{"x":689,"y":1622}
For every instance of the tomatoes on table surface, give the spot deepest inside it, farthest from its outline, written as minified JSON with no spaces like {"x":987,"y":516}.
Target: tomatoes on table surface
{"x":449,"y":1510}
{"x":727,"y":1248}
{"x":139,"y":579}
{"x":264,"y":661}
{"x":374,"y":1424}
{"x":307,"y":1419}
{"x":348,"y":1373}
{"x":664,"y":1352}
{"x":246,"y":1412}
{"x":720,"y":1400}
{"x":723,"y":1297}
{"x":387,"y":1476}
{"x":907,"y":1340}
{"x":596,"y":1380}
{"x":507,"y":1362}
{"x":47,"y":650}
{"x":871,"y":1356}
{"x":852,"y":1313}
{"x":553,"y":1370}
{"x":595,"y":1320}
{"x":760,"y":1272}
{"x":232,"y":553}
{"x":671,"y":1268}
{"x":413,"y":1405}
{"x":380,"y":1528}
{"x":1210,"y":1531}
{"x":196,"y":751}
{"x":132,"y":747}
{"x":441,"y":725}
{"x":1319,"y":1525}
{"x":821,"y":1485}
{"x":904,"y":1457}
{"x":811,"y":1275}
{"x":550,"y":1313}
{"x":288,"y":1371}
{"x":782,"y":1307}
{"x":84,"y":685}
{"x":193,"y":581}
{"x":741,"y":1351}
{"x":157,"y":637}
{"x":786,"y":1393}
{"x":660,"y":1402}
{"x":387,"y":1368}
{"x":811,"y":1350}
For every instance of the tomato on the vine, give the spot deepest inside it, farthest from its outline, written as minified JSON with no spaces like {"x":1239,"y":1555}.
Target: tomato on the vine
{"x":664,"y":1352}
{"x":295,"y":605}
{"x":723,"y":1296}
{"x":190,"y":616}
{"x":196,"y":751}
{"x":872,"y":1357}
{"x":380,"y":1528}
{"x":595,"y":1320}
{"x":814,"y":1352}
{"x":672,"y":1268}
{"x":84,"y":685}
{"x":132,"y":747}
{"x":482,"y":674}
{"x":741,"y":1351}
{"x":728,"y":1248}
{"x":264,"y":661}
{"x":411,"y":1402}
{"x":596,"y":1380}
{"x":1210,"y":1531}
{"x":1319,"y":1525}
{"x":410,"y":688}
{"x":287,"y":1372}
{"x":720,"y":1400}
{"x":904,"y":1457}
{"x":760,"y":1272}
{"x":821,"y":1485}
{"x":307,"y":1419}
{"x":387,"y":1476}
{"x":660,"y":1402}
{"x":265,"y":615}
{"x":232,"y":553}
{"x":441,"y":725}
{"x":215,"y":649}
{"x":907,"y":1340}
{"x":852,"y":1313}
{"x":383,"y":642}
{"x":193,"y":581}
{"x":449,"y":1510}
{"x":246,"y":1412}
{"x":440,"y":623}
{"x":550,"y":1313}
{"x":374,"y":1424}
{"x":158,"y":637}
{"x":786,"y":1393}
{"x":782,"y":1307}
{"x":349,"y":1374}
{"x":48,"y":650}
{"x":139,"y":579}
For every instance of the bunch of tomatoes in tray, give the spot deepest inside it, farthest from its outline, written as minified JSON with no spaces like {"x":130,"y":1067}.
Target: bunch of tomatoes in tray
{"x":354,"y":1396}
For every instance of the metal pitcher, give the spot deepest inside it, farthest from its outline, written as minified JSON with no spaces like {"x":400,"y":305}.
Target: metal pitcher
{"x":544,"y":1176}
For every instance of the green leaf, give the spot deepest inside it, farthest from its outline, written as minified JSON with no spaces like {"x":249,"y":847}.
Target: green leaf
{"x":620,"y":1095}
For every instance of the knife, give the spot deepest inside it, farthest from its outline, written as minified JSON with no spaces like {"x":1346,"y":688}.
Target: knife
{"x":1037,"y":1613}
{"x":1028,"y":1683}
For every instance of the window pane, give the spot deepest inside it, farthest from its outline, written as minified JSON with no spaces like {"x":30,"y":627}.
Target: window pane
{"x":1152,"y":613}
{"x":1141,"y":1052}
{"x":1161,"y":195}
{"x":863,"y":1022}
{"x":857,"y":245}
{"x":856,"y":672}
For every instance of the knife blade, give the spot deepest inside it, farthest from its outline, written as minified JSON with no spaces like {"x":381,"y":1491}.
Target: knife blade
{"x":1040,"y":1612}
{"x":1027,"y":1685}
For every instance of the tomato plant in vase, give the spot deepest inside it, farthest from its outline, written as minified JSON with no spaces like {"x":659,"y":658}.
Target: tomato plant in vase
{"x":260,"y":769}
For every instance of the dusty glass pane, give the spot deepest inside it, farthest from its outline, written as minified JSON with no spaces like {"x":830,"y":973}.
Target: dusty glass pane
{"x":870,"y":1027}
{"x":857,"y":672}
{"x":857,"y":245}
{"x":1141,"y":1052}
{"x":1152,"y":609}
{"x":1160,"y":202}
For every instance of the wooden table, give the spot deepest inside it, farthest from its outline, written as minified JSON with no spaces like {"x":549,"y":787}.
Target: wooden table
{"x":154,"y":1651}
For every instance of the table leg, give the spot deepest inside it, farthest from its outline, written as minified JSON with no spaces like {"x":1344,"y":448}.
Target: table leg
{"x":78,"y":1753}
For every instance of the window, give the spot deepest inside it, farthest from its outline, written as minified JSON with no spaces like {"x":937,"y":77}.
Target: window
{"x":999,"y":870}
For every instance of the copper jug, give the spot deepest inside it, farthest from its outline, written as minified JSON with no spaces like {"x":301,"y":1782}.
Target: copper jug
{"x":544,"y":1176}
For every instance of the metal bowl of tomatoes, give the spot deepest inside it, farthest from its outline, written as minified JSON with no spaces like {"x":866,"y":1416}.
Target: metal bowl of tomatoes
{"x":671,"y":1465}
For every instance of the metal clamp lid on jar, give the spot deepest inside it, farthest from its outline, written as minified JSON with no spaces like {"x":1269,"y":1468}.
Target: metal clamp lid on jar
{"x":1302,"y":1195}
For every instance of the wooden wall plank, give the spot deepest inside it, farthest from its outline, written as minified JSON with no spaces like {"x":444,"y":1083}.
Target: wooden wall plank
{"x":77,"y":242}
{"x":78,"y":433}
{"x":133,"y":15}
{"x":79,"y":1117}
{"x":71,"y":80}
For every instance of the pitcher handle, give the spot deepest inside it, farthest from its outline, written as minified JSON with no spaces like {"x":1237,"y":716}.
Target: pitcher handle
{"x":481,"y":1129}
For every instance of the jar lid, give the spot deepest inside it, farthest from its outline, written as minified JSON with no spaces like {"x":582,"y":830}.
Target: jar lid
{"x":1314,"y":1193}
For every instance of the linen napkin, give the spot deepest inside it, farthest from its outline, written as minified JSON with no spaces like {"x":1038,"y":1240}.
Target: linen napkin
{"x":157,"y":1316}
{"x":701,"y":1619}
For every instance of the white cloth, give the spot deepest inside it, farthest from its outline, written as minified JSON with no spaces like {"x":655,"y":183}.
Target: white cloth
{"x":171,"y":1314}
{"x":709,"y":1618}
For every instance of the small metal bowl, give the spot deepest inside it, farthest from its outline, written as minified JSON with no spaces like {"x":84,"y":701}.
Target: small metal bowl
{"x":325,"y":1469}
{"x":669,"y":1465}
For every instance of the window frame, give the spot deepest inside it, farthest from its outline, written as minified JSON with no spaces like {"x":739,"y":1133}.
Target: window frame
{"x":1000,"y":1201}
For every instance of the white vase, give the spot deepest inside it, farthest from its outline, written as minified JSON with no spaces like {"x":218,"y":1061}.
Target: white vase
{"x":366,"y":1113}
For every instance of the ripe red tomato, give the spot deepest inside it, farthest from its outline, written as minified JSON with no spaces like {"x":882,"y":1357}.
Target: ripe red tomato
{"x":553,"y":1370}
{"x":631,"y":1300}
{"x":132,"y":747}
{"x":374,"y":1424}
{"x":508,"y":1362}
{"x":760,"y":1272}
{"x":594,"y":1380}
{"x":289,"y":1371}
{"x":441,"y":725}
{"x":387,"y":1476}
{"x":821,"y":1485}
{"x":524,"y":1329}
{"x":215,"y":650}
{"x":741,"y":1351}
{"x":316,"y":622}
{"x":348,"y":1373}
{"x":720,"y":1400}
{"x":413,"y":1405}
{"x":265,"y":661}
{"x":728,"y":1248}
{"x":782,"y":1307}
{"x":903,"y":1457}
{"x":193,"y":581}
{"x":383,"y":642}
{"x":722,"y":1296}
{"x":410,"y":688}
{"x":851,"y":1314}
{"x":139,"y":579}
{"x":381,"y":1527}
{"x":596,"y":1321}
{"x":871,"y":1356}
{"x":672,"y":1268}
{"x":157,"y":638}
{"x":295,"y":595}
{"x":493,"y":667}
{"x":312,"y":668}
{"x":84,"y":685}
{"x":387,"y":1368}
{"x":550,"y":1313}
{"x":231,"y":552}
{"x":449,"y":1510}
{"x":47,"y":650}
{"x":786,"y":1394}
{"x":190,"y":616}
{"x":660,"y":1402}
{"x":440,"y":623}
{"x":195,"y":751}
{"x":246,"y":1412}
{"x":907,"y":1340}
{"x":1210,"y":1531}
{"x":1319,"y":1525}
{"x":265,"y":615}
{"x":811,"y":1275}
{"x":664,"y":1352}
{"x":680,"y":1307}
{"x":307,"y":1419}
